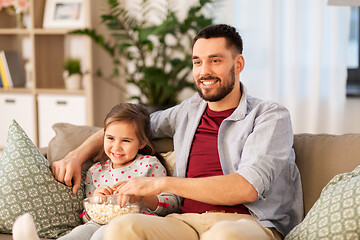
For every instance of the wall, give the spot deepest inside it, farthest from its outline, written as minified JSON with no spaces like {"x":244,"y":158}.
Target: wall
{"x":106,"y":95}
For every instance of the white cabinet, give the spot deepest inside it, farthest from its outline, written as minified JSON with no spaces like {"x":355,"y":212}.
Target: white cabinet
{"x":54,"y":108}
{"x":18,"y":106}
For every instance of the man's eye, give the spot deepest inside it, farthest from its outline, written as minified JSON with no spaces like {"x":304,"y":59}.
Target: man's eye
{"x":196,"y":62}
{"x":216,"y":60}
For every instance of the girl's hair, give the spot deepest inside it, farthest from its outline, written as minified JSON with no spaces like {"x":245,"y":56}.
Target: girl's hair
{"x":140,"y":117}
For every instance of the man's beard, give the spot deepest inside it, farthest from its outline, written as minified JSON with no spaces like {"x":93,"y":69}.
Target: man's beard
{"x":221,"y":92}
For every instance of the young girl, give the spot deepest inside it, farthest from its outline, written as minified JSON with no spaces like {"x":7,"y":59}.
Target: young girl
{"x":130,"y":154}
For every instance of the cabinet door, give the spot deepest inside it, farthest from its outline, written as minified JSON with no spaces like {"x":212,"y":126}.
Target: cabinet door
{"x":18,"y":106}
{"x":54,"y":108}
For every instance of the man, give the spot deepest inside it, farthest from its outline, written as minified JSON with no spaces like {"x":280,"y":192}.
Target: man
{"x":235,"y":169}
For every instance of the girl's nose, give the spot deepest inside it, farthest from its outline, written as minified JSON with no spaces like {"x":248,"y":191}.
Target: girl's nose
{"x":117,"y":146}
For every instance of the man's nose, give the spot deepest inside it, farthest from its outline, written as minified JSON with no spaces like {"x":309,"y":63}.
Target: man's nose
{"x":205,"y":70}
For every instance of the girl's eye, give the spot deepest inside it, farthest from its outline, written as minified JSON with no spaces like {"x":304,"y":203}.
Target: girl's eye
{"x":126,"y":140}
{"x":110,"y":138}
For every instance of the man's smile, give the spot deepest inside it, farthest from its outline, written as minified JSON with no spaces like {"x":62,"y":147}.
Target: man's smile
{"x":206,"y":83}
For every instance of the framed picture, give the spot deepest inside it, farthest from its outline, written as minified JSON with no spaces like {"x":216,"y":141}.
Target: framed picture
{"x":65,"y":14}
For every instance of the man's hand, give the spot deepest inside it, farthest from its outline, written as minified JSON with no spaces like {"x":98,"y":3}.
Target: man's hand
{"x":68,"y":171}
{"x":144,"y":186}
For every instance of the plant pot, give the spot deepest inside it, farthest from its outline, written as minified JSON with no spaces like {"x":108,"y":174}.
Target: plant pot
{"x":153,"y":108}
{"x":72,"y":82}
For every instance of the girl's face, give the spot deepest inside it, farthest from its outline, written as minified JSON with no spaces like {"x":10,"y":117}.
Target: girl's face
{"x":121,"y":143}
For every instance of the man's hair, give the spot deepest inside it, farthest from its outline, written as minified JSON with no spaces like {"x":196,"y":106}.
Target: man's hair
{"x":232,"y":37}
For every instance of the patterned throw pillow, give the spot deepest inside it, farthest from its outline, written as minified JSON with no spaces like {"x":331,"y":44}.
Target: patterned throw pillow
{"x":336,"y":214}
{"x":27,"y":185}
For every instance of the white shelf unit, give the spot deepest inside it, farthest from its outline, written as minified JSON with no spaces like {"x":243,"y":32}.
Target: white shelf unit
{"x":46,"y":49}
{"x":18,"y":106}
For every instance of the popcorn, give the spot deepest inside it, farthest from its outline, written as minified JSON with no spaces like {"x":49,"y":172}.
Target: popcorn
{"x":103,"y":213}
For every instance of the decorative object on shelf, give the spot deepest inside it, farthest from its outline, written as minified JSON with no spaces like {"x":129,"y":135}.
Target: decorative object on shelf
{"x":72,"y":74}
{"x":13,"y":66}
{"x":16,"y":8}
{"x":65,"y":14}
{"x":28,"y":74}
{"x":156,"y":58}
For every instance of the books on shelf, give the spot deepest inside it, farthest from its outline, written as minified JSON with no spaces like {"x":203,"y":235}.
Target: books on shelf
{"x":4,"y":82}
{"x":12,"y":71}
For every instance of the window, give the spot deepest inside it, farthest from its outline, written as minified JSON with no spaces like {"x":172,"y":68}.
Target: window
{"x":353,"y":61}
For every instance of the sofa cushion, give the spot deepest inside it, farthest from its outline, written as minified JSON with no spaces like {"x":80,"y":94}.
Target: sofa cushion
{"x":322,"y":156}
{"x":27,"y":185}
{"x":335,"y":215}
{"x":68,"y":137}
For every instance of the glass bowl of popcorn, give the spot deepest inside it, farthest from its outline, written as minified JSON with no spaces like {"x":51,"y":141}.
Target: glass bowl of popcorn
{"x":102,"y":209}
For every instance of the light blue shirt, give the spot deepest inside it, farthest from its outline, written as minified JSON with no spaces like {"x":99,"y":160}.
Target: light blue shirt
{"x":256,"y":142}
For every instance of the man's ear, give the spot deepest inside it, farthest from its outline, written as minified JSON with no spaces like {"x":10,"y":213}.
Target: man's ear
{"x":239,"y":63}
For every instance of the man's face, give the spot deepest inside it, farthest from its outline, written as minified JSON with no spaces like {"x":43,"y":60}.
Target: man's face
{"x":213,"y":68}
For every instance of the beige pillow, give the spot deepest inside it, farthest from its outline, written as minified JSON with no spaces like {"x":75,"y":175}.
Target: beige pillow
{"x":67,"y":138}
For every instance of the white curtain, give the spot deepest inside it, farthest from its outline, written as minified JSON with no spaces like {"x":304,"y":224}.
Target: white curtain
{"x":295,"y":54}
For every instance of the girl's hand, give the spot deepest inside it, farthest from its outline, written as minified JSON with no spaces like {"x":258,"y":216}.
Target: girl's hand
{"x":104,"y":190}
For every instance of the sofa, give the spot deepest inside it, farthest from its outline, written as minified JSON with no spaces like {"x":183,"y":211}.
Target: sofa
{"x":320,"y":157}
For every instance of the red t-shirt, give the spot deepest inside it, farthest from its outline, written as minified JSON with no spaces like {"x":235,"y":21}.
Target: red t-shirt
{"x":204,"y":160}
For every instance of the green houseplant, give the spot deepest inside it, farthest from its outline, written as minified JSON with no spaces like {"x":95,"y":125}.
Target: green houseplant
{"x":72,"y":65}
{"x":159,"y":54}
{"x":72,"y":73}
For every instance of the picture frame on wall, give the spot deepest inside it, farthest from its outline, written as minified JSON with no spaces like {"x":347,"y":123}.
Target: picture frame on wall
{"x":67,"y":14}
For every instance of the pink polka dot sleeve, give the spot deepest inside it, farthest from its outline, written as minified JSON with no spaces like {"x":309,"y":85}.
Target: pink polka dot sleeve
{"x":168,"y":203}
{"x":89,"y":184}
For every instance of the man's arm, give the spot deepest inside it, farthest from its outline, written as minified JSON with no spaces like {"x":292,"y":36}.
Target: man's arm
{"x":231,"y":189}
{"x":68,"y":169}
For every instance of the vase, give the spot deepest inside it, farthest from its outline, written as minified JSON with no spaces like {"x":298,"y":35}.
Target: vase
{"x":19,"y":19}
{"x":72,"y":82}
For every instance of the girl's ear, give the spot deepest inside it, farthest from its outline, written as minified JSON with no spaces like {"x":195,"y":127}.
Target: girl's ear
{"x":142,"y":145}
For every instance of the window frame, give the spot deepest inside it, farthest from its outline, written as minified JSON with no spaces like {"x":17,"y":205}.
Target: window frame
{"x":353,"y":80}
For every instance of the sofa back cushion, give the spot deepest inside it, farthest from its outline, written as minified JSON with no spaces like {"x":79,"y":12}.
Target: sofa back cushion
{"x":322,"y":156}
{"x":67,"y":138}
{"x":319,"y":156}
